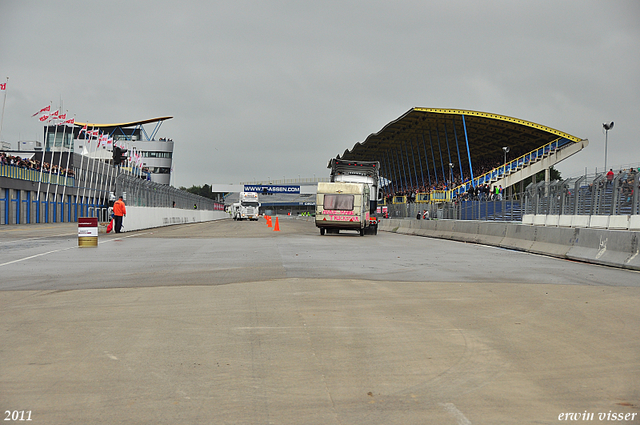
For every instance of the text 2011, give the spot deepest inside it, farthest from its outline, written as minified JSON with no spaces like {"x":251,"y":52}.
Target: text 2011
{"x":17,"y":415}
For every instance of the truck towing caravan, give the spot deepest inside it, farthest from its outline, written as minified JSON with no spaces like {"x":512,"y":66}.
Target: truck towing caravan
{"x":247,"y":207}
{"x":350,"y":200}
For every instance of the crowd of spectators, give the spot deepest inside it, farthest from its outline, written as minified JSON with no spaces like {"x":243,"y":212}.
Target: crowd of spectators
{"x":480,"y":168}
{"x":34,"y":164}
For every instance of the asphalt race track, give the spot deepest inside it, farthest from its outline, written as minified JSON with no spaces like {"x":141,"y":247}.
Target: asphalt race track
{"x":232,"y":323}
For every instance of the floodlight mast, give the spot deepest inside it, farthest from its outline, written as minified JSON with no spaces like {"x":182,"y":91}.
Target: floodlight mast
{"x":506,"y":151}
{"x":606,"y":127}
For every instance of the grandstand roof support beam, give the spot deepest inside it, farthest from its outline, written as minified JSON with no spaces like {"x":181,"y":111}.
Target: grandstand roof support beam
{"x":419,"y":160}
{"x":426,"y":158}
{"x":404,"y":173}
{"x":444,"y":172}
{"x":415,"y":169}
{"x":406,"y":152}
{"x":466,"y":138}
{"x":392,"y":166}
{"x":446,"y":139}
{"x":433,"y":157}
{"x":396,"y":165}
{"x":455,"y":135}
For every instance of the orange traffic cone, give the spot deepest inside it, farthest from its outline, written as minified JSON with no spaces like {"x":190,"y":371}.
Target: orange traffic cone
{"x":276,"y":228}
{"x":268,"y":221}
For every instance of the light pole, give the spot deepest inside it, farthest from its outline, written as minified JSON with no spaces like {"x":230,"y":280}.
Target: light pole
{"x":506,"y":151}
{"x":606,"y":127}
{"x":451,"y":174}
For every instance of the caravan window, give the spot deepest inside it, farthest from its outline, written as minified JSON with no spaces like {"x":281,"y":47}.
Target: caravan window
{"x":338,"y":202}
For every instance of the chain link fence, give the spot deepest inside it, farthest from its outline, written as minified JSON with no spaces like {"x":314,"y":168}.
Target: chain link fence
{"x":594,"y":194}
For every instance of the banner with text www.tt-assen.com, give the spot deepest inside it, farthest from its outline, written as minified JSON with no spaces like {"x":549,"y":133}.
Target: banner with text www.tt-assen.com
{"x":260,"y":188}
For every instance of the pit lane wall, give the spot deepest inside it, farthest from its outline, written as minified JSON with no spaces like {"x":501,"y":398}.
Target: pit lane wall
{"x":618,"y":248}
{"x":139,"y":218}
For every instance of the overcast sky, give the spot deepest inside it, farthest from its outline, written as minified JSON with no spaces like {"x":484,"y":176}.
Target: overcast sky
{"x":271,"y":89}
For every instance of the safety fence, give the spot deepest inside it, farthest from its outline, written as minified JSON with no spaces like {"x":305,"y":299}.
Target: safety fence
{"x":594,"y":194}
{"x":18,"y":173}
{"x":587,"y":195}
{"x":24,"y":203}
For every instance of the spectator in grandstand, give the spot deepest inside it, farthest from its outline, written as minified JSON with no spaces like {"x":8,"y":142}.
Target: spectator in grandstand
{"x":610,"y":175}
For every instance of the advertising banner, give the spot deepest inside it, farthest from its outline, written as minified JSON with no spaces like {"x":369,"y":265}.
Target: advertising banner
{"x":263,"y":188}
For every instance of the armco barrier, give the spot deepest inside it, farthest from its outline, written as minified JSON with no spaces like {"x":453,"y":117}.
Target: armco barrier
{"x":619,"y":248}
{"x":139,"y":218}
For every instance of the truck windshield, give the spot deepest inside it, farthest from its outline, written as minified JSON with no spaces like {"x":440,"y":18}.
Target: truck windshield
{"x":249,"y":204}
{"x":338,"y":202}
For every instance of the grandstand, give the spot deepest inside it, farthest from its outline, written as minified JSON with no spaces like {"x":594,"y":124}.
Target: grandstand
{"x":441,"y":153}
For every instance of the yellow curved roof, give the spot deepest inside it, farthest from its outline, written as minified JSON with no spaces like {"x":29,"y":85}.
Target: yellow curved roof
{"x":442,"y":130}
{"x":502,"y":118}
{"x":124,"y":124}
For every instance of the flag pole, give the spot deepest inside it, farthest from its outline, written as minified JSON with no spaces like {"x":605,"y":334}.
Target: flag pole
{"x":55,"y":135}
{"x":44,"y":149}
{"x":80,"y":170}
{"x":84,"y":189}
{"x":3,"y":103}
{"x":55,"y":195}
{"x":93,"y":169}
{"x":100,"y":186}
{"x":66,"y":172}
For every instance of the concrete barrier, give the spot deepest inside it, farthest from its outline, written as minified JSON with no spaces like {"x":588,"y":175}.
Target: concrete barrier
{"x":139,"y":218}
{"x":465,"y":230}
{"x":539,"y":219}
{"x":527,"y":219}
{"x":519,"y":237}
{"x":618,"y":222}
{"x":444,"y":229}
{"x":609,"y":247}
{"x":634,"y":222}
{"x":552,"y":220}
{"x":565,"y":220}
{"x":619,"y":248}
{"x":598,"y":221}
{"x":491,"y":233}
{"x":553,"y":241}
{"x":580,"y":220}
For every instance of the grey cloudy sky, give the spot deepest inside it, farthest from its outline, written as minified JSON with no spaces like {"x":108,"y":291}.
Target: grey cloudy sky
{"x":263,"y":88}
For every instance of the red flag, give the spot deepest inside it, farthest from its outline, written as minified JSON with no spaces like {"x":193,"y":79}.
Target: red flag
{"x":70,"y":121}
{"x":44,"y":118}
{"x":3,"y":86}
{"x":47,"y":109}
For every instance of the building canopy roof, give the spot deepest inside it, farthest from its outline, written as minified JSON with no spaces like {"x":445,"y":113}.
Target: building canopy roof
{"x":433,"y":137}
{"x":124,"y":124}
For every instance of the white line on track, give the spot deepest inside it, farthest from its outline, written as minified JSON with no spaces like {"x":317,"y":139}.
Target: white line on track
{"x":65,"y":249}
{"x":38,"y":237}
{"x":453,"y":410}
{"x":37,"y":255}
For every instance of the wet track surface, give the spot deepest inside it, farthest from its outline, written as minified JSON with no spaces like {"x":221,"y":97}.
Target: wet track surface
{"x":231,"y":322}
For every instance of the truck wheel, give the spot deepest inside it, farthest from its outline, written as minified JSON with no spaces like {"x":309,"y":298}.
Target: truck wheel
{"x":321,"y":231}
{"x":361,"y":232}
{"x":375,"y":230}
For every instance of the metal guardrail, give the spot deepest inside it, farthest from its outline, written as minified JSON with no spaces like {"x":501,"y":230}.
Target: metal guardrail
{"x":13,"y":172}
